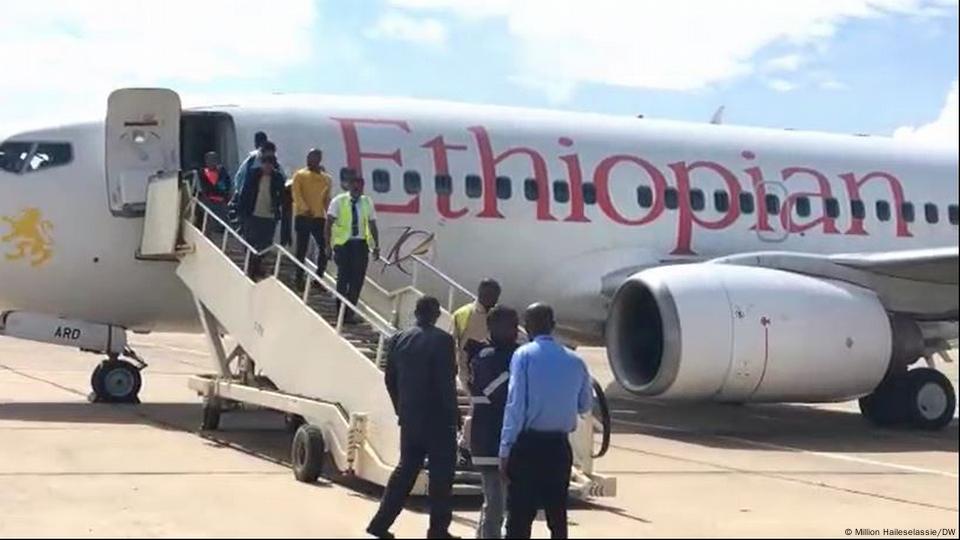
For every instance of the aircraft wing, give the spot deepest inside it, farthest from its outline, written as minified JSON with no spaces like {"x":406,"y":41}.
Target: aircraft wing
{"x":920,"y":283}
{"x":935,"y":265}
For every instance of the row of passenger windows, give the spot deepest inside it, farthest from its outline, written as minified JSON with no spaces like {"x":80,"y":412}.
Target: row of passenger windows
{"x":26,"y":156}
{"x":803,"y":205}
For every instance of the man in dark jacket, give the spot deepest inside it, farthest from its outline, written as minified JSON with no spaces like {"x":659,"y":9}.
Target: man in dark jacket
{"x":490,"y":377}
{"x":421,"y":380}
{"x":259,"y":208}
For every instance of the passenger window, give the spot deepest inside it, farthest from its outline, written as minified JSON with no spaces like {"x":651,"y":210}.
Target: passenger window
{"x":589,"y":193}
{"x":531,"y":189}
{"x":381,"y":181}
{"x":803,"y":206}
{"x":411,"y":182}
{"x":954,"y":212}
{"x":747,"y":205}
{"x":697,"y":200}
{"x":504,"y":187}
{"x":773,"y":204}
{"x":721,"y":200}
{"x":858,"y":209}
{"x":883,"y":211}
{"x":644,"y":197}
{"x":13,"y":155}
{"x":932,"y":212}
{"x":474,"y":186}
{"x":909,"y":212}
{"x":832,"y":207}
{"x":444,"y":184}
{"x":671,"y":198}
{"x":561,"y":191}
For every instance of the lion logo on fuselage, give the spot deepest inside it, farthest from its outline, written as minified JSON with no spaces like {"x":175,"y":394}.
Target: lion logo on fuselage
{"x":29,"y":237}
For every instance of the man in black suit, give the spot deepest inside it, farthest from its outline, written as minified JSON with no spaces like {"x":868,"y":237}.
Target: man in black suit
{"x":421,"y":380}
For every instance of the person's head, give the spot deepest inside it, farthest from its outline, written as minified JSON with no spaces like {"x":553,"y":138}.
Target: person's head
{"x":427,"y":311}
{"x":268,"y":148}
{"x":268,"y":164}
{"x":258,"y":139}
{"x":211,"y":160}
{"x":488,"y":293}
{"x":314,"y":157}
{"x":354,"y":184}
{"x":502,"y":324}
{"x":538,"y":320}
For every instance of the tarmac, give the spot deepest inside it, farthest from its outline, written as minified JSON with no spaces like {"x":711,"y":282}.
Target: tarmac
{"x":72,"y":468}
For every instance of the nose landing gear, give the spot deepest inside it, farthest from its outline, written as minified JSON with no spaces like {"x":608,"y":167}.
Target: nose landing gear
{"x":118,"y":381}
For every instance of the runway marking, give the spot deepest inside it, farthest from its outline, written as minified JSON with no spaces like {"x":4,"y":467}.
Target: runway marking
{"x":828,"y":455}
{"x":783,"y":476}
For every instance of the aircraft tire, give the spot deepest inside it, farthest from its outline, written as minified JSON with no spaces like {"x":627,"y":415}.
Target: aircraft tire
{"x":116,"y":381}
{"x":886,"y":406}
{"x":307,"y":453}
{"x":929,"y":398}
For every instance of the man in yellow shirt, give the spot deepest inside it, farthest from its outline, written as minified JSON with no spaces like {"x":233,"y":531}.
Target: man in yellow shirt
{"x":470,"y":326}
{"x":311,"y":198}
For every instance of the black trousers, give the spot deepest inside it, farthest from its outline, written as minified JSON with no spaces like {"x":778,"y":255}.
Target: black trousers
{"x":439,"y":445}
{"x":305,"y":228}
{"x":352,"y":259}
{"x":539,"y":474}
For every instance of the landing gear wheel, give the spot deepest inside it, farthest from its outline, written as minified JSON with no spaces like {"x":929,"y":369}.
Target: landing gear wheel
{"x":885,"y":406}
{"x":211,"y":415}
{"x":307,"y":453}
{"x":116,"y":381}
{"x":929,"y":399}
{"x":292,"y":422}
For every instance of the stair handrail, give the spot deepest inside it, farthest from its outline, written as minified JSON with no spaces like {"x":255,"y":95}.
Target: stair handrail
{"x":377,"y":322}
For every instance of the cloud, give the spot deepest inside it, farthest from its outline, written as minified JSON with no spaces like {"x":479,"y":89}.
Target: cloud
{"x":66,"y":56}
{"x":685,"y":45}
{"x":833,"y":84}
{"x":781,"y":85}
{"x":941,"y":132}
{"x":398,"y":26}
{"x":787,"y":62}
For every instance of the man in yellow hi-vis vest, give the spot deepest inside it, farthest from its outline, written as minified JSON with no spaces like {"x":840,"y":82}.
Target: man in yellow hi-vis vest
{"x":351,"y":234}
{"x":470,"y":326}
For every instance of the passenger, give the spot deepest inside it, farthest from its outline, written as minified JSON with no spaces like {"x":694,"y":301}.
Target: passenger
{"x":215,"y":186}
{"x":259,"y":208}
{"x":470,"y":325}
{"x":253,"y":161}
{"x":311,"y":199}
{"x":350,"y":233}
{"x":253,"y":158}
{"x":549,"y":387}
{"x":422,"y":385}
{"x":490,"y":369}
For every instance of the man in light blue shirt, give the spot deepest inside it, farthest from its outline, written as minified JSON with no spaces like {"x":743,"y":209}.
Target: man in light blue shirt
{"x":549,"y":388}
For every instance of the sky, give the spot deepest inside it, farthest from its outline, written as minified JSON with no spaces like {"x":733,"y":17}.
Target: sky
{"x":883,"y":67}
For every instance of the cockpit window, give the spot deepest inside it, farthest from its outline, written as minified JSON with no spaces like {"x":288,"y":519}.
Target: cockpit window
{"x":13,"y":155}
{"x":27,"y":156}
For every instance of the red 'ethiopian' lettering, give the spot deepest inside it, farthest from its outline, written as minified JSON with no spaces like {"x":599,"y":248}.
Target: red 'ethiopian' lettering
{"x":488,"y":164}
{"x":687,"y":218}
{"x":786,"y":215}
{"x":355,"y":157}
{"x":442,"y":167}
{"x":896,"y":189}
{"x":601,"y":179}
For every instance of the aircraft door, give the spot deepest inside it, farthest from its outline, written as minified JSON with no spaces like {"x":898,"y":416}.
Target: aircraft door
{"x":142,"y":141}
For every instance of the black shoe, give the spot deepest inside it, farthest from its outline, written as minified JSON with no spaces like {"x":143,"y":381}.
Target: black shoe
{"x":380,"y":534}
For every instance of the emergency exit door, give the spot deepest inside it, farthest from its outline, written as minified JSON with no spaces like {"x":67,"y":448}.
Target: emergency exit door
{"x":142,"y":142}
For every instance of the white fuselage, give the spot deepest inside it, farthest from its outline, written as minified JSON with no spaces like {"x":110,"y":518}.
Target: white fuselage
{"x":568,"y":250}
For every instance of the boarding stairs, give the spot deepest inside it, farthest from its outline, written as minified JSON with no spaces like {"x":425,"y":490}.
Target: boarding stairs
{"x":281,"y":343}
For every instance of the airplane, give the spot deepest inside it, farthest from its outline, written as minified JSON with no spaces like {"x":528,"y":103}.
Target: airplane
{"x":715,"y":262}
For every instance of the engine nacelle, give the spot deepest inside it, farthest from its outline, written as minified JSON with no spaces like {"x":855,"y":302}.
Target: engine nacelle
{"x":738,"y":333}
